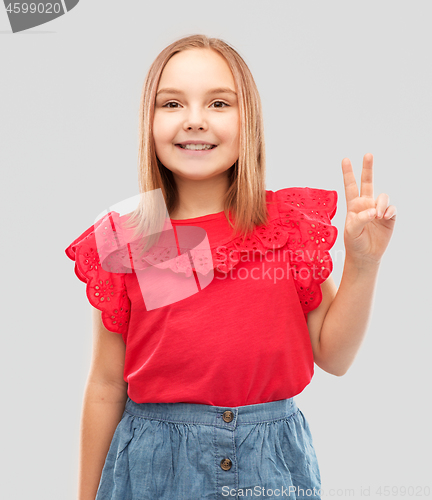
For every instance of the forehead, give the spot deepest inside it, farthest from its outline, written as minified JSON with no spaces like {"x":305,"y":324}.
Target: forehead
{"x":196,"y":70}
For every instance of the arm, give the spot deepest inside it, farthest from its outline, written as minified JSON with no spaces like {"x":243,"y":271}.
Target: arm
{"x":103,"y":405}
{"x":338,"y":329}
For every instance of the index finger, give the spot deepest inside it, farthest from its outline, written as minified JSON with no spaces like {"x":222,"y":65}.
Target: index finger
{"x":351,"y":189}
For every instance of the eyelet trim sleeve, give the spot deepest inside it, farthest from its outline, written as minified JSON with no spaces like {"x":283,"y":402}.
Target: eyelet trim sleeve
{"x":306,"y":213}
{"x":105,"y":290}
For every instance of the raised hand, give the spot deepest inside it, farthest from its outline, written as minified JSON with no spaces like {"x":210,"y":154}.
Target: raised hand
{"x":369,"y":222}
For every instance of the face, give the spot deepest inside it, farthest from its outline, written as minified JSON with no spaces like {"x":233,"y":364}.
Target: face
{"x":196,"y":113}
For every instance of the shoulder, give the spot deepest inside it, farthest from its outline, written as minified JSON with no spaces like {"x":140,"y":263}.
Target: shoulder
{"x":104,"y":275}
{"x":298,"y":201}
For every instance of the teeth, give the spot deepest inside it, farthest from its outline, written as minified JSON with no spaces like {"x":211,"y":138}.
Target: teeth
{"x":197,"y":146}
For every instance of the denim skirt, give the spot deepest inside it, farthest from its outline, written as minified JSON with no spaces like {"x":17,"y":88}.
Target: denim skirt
{"x":176,"y":451}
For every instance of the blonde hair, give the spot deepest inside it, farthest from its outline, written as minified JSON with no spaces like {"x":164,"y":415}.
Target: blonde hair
{"x":246,"y":196}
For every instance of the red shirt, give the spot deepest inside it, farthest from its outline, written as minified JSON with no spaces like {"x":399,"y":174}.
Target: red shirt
{"x":224,"y":325}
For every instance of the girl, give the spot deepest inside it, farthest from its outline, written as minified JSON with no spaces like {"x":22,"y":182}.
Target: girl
{"x":206,"y":329}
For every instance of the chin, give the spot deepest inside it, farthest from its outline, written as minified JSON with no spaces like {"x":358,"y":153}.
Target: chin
{"x":195,"y":175}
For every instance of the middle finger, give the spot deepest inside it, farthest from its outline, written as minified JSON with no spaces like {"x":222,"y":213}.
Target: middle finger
{"x":366,"y":187}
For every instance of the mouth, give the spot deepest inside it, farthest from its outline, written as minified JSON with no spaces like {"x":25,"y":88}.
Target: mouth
{"x":205,"y":149}
{"x":195,"y":152}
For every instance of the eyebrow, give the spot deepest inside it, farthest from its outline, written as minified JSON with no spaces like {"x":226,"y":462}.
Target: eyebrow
{"x":219,"y":90}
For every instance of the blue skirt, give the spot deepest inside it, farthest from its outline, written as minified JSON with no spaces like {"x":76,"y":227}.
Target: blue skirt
{"x":175,"y":451}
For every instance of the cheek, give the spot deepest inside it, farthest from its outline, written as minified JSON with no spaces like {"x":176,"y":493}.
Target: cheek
{"x":157,"y":129}
{"x":231,"y":137}
{"x":162,"y":131}
{"x":230,"y":131}
{"x":228,"y":134}
{"x":162,"y":140}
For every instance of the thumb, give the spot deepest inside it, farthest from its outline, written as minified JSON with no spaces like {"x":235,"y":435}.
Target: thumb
{"x":360,"y":221}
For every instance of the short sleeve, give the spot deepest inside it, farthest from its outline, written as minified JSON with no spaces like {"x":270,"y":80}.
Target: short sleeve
{"x":105,"y":290}
{"x":307,"y":213}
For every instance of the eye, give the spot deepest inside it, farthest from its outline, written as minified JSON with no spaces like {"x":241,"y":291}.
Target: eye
{"x":172,"y":102}
{"x":221,"y":102}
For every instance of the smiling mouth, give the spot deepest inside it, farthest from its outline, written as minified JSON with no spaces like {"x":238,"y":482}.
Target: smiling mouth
{"x":196,"y":149}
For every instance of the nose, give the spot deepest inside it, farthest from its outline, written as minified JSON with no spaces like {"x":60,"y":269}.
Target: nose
{"x":195,"y":120}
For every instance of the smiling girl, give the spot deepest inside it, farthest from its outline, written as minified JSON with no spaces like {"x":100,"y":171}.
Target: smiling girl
{"x":202,"y":339}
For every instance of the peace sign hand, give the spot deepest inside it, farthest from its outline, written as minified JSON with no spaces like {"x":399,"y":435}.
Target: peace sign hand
{"x":369,"y":223}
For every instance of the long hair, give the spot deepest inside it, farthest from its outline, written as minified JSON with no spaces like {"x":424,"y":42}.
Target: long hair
{"x":245,"y":197}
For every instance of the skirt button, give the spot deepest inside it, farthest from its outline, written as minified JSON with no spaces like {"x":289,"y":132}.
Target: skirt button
{"x":226,"y":464}
{"x":228,"y":415}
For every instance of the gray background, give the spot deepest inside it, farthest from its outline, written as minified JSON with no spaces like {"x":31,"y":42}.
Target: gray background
{"x":337,"y":79}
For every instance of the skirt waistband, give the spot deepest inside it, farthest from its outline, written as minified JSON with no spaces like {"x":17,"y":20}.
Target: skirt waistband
{"x":230,"y":417}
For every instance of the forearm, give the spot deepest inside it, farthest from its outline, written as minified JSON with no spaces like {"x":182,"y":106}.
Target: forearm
{"x":347,"y":318}
{"x":103,"y":406}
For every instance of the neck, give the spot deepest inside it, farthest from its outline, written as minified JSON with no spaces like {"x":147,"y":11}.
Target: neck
{"x":199,"y":198}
